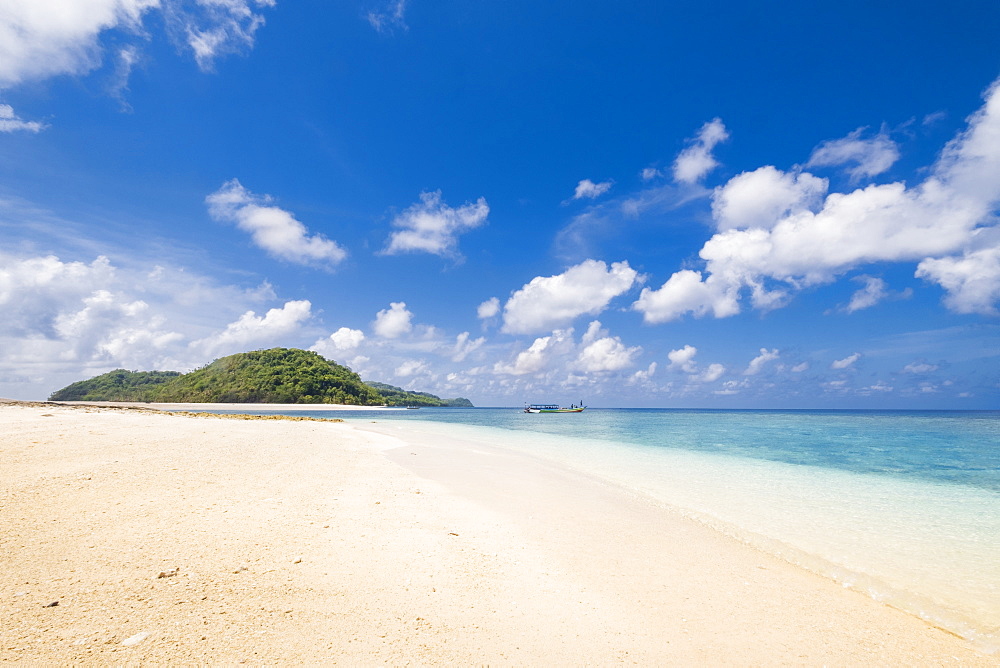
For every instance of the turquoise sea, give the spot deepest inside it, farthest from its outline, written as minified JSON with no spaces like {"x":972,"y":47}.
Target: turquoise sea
{"x":902,"y":505}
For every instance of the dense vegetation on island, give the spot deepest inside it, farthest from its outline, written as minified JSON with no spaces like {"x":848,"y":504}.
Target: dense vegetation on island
{"x":274,"y":376}
{"x":397,"y":396}
{"x":125,"y":385}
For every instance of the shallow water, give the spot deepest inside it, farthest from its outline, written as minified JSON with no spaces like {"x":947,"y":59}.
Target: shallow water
{"x":904,"y":506}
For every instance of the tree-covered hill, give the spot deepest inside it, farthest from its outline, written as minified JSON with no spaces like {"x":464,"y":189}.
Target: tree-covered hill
{"x":397,"y":396}
{"x":121,"y":384}
{"x":277,"y":375}
{"x":274,"y":376}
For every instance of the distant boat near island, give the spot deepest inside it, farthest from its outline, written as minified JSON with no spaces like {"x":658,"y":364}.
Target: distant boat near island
{"x":553,"y":408}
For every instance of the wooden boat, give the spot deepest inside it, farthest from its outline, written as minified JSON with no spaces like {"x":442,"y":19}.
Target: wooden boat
{"x":552,"y":408}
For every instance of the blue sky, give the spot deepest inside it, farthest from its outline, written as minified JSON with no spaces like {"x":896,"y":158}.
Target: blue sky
{"x":710,"y":204}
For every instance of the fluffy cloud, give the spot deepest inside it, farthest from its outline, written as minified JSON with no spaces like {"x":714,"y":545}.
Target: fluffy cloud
{"x":757,"y":363}
{"x":67,"y":320}
{"x":696,"y":160}
{"x":542,"y":353}
{"x":711,"y":374}
{"x":393,"y":322}
{"x":552,"y":301}
{"x":847,"y":362}
{"x":879,"y":223}
{"x":252,"y":330}
{"x":488,"y":309}
{"x":870,"y":157}
{"x":43,"y":38}
{"x":686,"y":292}
{"x":759,"y":199}
{"x":431,"y":226}
{"x":340,"y":342}
{"x":411,"y":368}
{"x":272,"y":229}
{"x":972,"y":281}
{"x":683,"y":359}
{"x":10,"y":122}
{"x":346,"y":338}
{"x":643,"y":376}
{"x":589,"y":189}
{"x":559,"y":358}
{"x":604,"y":353}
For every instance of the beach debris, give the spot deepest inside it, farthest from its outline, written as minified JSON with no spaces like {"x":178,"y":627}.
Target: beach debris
{"x":297,"y":560}
{"x":248,"y":416}
{"x":452,"y":533}
{"x":241,"y":569}
{"x":136,"y":639}
{"x":51,"y":605}
{"x":169,"y":574}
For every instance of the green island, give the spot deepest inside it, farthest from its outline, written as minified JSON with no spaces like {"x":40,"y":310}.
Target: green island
{"x":273,"y":376}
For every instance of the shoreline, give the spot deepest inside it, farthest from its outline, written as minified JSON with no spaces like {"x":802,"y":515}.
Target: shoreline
{"x":204,"y":406}
{"x":305,"y":542}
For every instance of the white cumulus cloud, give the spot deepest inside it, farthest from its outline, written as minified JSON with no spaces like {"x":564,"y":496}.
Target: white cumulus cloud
{"x":761,"y":198}
{"x":431,"y":226}
{"x":544,"y":352}
{"x":683,"y":359}
{"x":602,"y":352}
{"x":712,"y":373}
{"x":686,"y":292}
{"x":394,"y":321}
{"x":930,"y":222}
{"x":254,"y":330}
{"x":488,"y":309}
{"x":697,"y":160}
{"x":340,"y":342}
{"x":757,"y":363}
{"x":271,"y":228}
{"x":547,"y":302}
{"x":410,"y":368}
{"x":44,"y":38}
{"x":971,"y":280}
{"x":346,"y":338}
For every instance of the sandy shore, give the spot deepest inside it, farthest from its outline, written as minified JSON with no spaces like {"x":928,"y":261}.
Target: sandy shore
{"x":319,"y":542}
{"x":277,"y":408}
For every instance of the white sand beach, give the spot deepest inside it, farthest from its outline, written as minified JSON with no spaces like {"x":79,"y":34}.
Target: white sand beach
{"x":132,"y":536}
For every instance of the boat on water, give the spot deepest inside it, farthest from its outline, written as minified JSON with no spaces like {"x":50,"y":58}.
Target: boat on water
{"x":553,"y":408}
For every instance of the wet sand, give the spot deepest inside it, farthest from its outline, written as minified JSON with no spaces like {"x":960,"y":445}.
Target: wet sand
{"x":172,"y":539}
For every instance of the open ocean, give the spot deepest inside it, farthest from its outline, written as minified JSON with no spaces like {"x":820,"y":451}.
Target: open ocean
{"x":903,"y":505}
